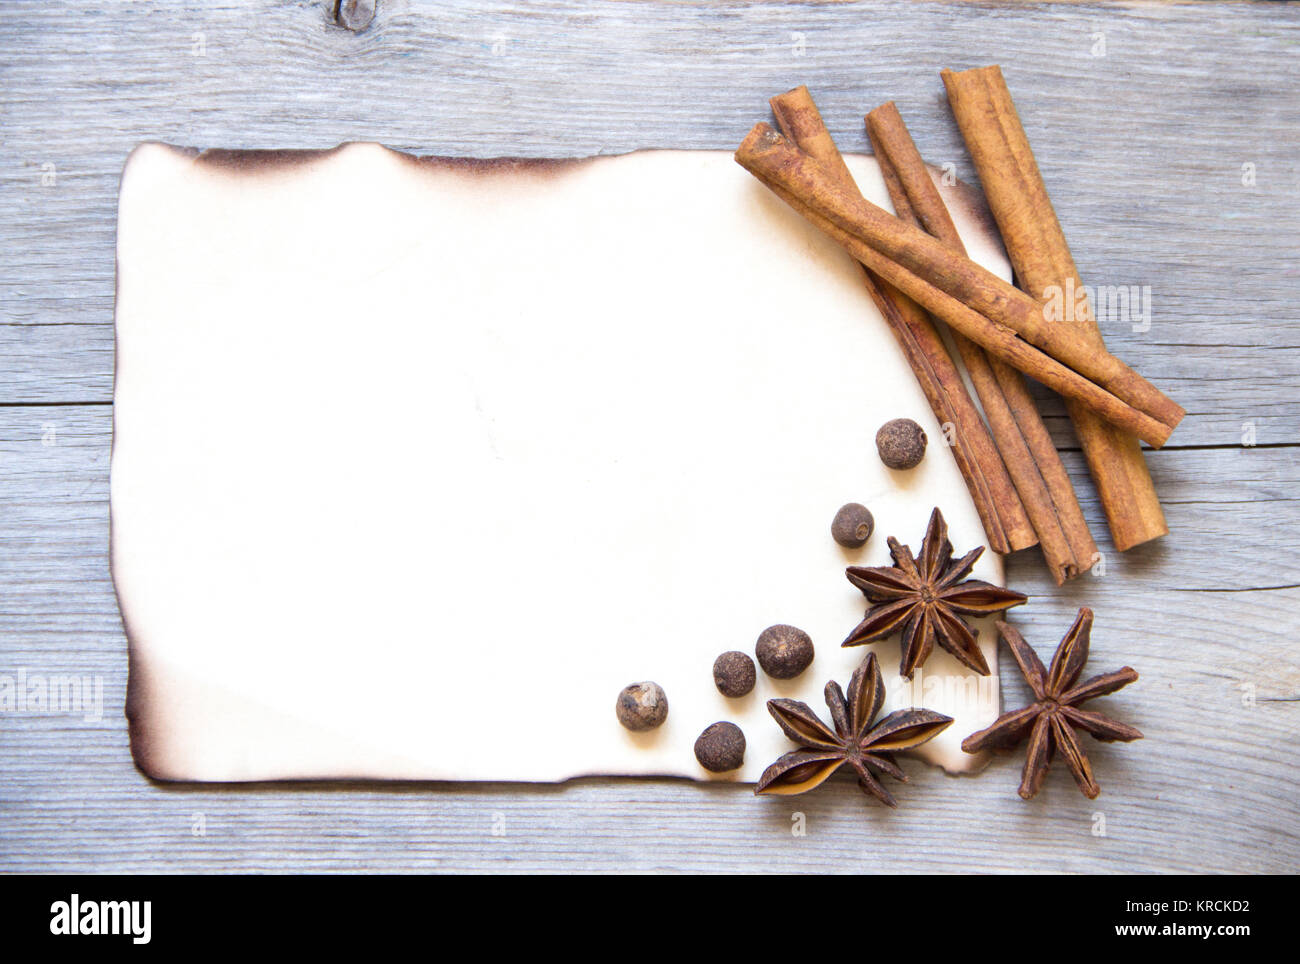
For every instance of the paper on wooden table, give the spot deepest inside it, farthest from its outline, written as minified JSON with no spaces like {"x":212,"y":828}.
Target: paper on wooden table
{"x":417,"y":463}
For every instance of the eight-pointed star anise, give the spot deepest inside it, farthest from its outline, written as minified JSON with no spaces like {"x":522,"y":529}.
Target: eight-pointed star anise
{"x":853,"y":740}
{"x":1054,"y":715}
{"x":927,"y":598}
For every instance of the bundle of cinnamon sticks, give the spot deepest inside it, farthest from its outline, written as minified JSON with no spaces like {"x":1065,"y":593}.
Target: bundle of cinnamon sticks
{"x":917,"y":272}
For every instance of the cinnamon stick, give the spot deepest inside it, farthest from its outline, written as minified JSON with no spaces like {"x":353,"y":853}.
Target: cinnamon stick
{"x":1006,"y":524}
{"x":1041,"y":256}
{"x":1023,"y":440}
{"x":921,"y":267}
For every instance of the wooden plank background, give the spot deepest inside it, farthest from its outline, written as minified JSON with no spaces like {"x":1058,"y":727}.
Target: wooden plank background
{"x":1169,"y":136}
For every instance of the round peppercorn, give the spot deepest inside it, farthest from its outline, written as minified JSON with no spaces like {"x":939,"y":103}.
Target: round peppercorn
{"x":853,"y":525}
{"x":642,"y":706}
{"x":734,"y":674}
{"x":721,"y":747}
{"x":901,"y":443}
{"x":784,"y":652}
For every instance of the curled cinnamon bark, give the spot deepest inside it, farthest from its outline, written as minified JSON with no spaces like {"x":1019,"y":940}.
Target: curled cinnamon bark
{"x":1023,"y":440}
{"x":1006,"y":523}
{"x":982,"y":105}
{"x":969,"y":298}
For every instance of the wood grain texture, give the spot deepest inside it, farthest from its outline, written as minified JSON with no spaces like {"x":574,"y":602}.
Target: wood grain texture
{"x":1212,"y":787}
{"x":1143,"y":150}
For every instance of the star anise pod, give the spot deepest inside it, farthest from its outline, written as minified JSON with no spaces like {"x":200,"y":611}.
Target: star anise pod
{"x":853,"y":741}
{"x":1053,"y":717}
{"x":927,"y":599}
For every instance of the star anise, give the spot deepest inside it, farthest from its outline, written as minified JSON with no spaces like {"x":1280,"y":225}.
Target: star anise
{"x":927,"y":598}
{"x":853,"y":740}
{"x":1054,"y":715}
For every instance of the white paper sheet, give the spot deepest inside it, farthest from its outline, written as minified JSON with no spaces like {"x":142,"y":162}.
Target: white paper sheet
{"x":417,"y":463}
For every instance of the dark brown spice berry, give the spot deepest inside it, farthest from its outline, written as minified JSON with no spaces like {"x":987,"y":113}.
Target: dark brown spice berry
{"x":853,"y":526}
{"x":642,"y":706}
{"x":734,"y":674}
{"x":901,"y":443}
{"x":784,"y":652}
{"x":721,"y":747}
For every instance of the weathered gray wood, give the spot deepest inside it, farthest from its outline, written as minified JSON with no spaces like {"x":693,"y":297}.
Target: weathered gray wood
{"x":1143,"y":149}
{"x":1200,"y":616}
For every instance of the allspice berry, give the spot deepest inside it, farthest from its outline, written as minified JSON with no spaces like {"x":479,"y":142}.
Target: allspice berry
{"x":901,"y":443}
{"x":852,"y":526}
{"x":721,"y":747}
{"x":642,"y":706}
{"x":784,"y":651}
{"x":734,"y":674}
